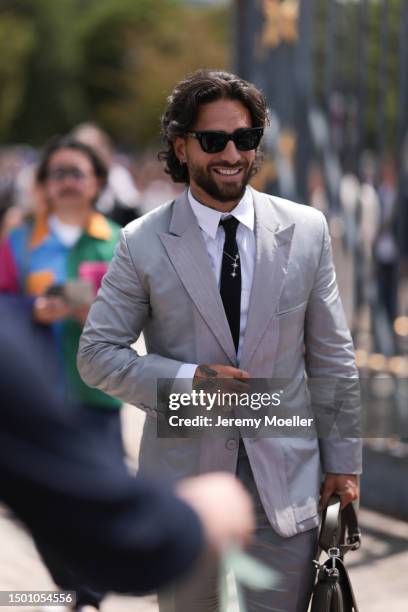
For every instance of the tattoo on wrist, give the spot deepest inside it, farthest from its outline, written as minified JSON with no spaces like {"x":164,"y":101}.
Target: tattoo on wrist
{"x":207,"y":371}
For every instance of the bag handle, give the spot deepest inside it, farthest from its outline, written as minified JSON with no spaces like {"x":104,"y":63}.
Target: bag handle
{"x":334,"y":526}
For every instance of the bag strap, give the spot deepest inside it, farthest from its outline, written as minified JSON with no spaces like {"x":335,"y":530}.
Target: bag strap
{"x":335,"y":523}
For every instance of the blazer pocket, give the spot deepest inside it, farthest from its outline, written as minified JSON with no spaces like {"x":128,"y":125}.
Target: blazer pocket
{"x":288,"y":311}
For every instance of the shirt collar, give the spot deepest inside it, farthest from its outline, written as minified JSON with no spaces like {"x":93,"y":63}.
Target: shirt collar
{"x":97,"y":227}
{"x":209,"y":219}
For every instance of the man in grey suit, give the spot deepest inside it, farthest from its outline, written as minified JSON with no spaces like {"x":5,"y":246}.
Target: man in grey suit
{"x":229,"y":283}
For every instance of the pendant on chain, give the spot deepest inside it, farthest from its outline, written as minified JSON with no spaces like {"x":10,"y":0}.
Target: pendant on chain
{"x":234,"y":264}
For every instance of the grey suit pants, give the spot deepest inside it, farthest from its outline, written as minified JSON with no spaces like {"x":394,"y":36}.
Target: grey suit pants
{"x":291,"y":558}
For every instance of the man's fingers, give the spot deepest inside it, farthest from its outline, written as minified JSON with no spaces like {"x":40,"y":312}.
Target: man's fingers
{"x":343,"y":485}
{"x":41,"y":302}
{"x":220,"y":371}
{"x":324,"y":498}
{"x":347,"y":495}
{"x":241,"y":374}
{"x":346,"y":499}
{"x":235,"y":383}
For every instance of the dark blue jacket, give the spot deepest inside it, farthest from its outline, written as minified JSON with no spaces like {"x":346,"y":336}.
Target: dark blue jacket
{"x":120,"y":533}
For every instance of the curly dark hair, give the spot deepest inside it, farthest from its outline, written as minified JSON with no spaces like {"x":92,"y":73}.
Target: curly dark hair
{"x":69,"y":142}
{"x":183,"y":104}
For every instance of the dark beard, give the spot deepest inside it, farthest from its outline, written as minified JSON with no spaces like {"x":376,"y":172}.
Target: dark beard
{"x":229,"y":192}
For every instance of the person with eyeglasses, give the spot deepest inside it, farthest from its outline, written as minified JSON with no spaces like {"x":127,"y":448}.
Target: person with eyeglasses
{"x":229,"y":286}
{"x":50,"y":270}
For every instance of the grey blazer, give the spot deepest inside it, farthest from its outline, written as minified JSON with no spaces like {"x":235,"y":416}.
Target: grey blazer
{"x":160,"y":282}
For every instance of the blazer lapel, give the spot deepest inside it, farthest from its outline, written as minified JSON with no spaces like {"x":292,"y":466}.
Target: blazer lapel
{"x":187,"y":251}
{"x":272,"y":255}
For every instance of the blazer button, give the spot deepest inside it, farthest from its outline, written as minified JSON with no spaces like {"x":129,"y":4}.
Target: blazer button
{"x":231,"y":444}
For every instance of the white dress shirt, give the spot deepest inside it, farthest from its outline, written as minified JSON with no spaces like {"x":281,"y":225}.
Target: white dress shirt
{"x":214,"y":237}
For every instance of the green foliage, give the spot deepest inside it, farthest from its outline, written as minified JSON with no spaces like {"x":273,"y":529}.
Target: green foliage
{"x":109,"y":61}
{"x":17,"y":39}
{"x":51,"y":96}
{"x":115,"y":61}
{"x":154,"y":57}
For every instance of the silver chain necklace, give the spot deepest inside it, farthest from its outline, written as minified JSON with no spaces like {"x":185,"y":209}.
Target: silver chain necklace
{"x":235,"y":263}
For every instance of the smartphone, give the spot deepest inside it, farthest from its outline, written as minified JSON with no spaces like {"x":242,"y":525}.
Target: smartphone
{"x":55,"y":291}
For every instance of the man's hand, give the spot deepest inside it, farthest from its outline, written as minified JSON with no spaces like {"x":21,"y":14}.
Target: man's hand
{"x":233,"y":379}
{"x":344,"y":485}
{"x":223,"y":506}
{"x":48,"y":309}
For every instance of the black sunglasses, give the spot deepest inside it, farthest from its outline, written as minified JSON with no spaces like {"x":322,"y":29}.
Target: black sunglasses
{"x":213,"y":141}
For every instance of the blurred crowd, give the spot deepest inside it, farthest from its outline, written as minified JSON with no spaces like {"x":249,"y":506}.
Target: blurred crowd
{"x":135,"y":184}
{"x":372,"y":255}
{"x":369,"y":230}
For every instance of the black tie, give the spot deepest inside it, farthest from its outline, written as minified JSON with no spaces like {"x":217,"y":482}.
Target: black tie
{"x":230,"y":286}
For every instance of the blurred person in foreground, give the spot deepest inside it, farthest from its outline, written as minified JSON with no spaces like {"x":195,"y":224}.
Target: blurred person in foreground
{"x":108,"y":530}
{"x":50,"y":270}
{"x":119,"y":198}
{"x":237,"y":285}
